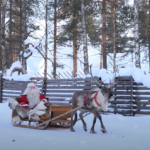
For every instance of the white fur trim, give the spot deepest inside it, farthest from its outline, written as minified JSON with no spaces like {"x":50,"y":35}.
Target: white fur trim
{"x":33,"y":114}
{"x":13,"y":102}
{"x":37,"y":111}
{"x":15,"y":119}
{"x":41,"y":106}
{"x":44,"y":100}
{"x":24,"y":105}
{"x":35,"y":117}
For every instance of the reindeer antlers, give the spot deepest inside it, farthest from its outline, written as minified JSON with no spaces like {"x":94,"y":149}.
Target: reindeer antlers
{"x":100,"y":83}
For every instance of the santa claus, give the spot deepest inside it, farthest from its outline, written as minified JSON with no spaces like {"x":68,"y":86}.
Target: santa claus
{"x":31,"y":97}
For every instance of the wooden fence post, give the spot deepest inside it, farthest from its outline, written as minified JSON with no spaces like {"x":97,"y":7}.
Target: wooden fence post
{"x":44,"y":86}
{"x":1,"y":87}
{"x":115,"y":109}
{"x":131,"y":96}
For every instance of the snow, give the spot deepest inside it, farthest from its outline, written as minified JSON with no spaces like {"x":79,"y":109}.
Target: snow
{"x":15,"y":76}
{"x":23,"y":77}
{"x":16,"y":64}
{"x":123,"y":133}
{"x":28,"y":41}
{"x":139,"y":75}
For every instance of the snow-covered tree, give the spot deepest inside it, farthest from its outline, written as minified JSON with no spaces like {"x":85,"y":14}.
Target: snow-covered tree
{"x":136,"y":34}
{"x":85,"y":50}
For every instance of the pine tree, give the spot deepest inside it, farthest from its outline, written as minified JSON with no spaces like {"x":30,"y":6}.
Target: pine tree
{"x":136,"y":34}
{"x":119,"y":23}
{"x":20,"y":27}
{"x":72,"y":31}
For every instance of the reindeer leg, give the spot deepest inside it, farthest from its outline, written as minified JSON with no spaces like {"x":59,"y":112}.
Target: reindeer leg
{"x":71,"y":126}
{"x":81,"y":117}
{"x":100,"y":119}
{"x":92,"y":128}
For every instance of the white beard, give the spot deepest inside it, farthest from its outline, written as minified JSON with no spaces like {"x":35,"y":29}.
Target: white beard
{"x":33,"y":97}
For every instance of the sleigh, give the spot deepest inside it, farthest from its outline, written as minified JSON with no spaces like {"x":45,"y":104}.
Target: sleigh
{"x":57,"y":116}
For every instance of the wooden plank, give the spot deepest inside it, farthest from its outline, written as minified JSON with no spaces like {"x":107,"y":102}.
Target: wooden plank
{"x":129,"y":88}
{"x":142,"y":107}
{"x":16,"y":82}
{"x":17,"y":85}
{"x":61,"y":121}
{"x":123,"y":83}
{"x":141,"y":103}
{"x":140,"y":88}
{"x":124,"y":78}
{"x":120,"y":107}
{"x":73,"y":84}
{"x":12,"y":92}
{"x":130,"y":92}
{"x":60,"y":104}
{"x":141,"y":93}
{"x":129,"y":97}
{"x":123,"y":87}
{"x":71,"y":87}
{"x":60,"y":108}
{"x":137,"y":83}
{"x":122,"y":92}
{"x":14,"y":88}
{"x":58,"y":95}
{"x":142,"y":112}
{"x":123,"y":97}
{"x":10,"y":96}
{"x":5,"y":98}
{"x":57,"y":113}
{"x":57,"y":99}
{"x":121,"y":102}
{"x":62,"y":91}
{"x":141,"y":98}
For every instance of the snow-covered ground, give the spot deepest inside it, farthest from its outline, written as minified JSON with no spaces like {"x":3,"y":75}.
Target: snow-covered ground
{"x":123,"y":133}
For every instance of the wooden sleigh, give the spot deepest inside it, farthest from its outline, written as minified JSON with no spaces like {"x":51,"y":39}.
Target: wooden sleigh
{"x":56,"y":116}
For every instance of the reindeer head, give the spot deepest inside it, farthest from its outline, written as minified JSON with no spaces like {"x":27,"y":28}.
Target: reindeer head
{"x":107,"y":91}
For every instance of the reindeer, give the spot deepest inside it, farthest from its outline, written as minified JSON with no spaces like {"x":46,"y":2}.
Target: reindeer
{"x":92,"y":101}
{"x":99,"y":98}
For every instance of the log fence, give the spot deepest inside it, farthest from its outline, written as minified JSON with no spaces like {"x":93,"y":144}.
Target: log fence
{"x":129,"y":98}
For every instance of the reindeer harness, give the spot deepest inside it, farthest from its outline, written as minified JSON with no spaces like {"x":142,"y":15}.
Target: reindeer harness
{"x":87,"y":98}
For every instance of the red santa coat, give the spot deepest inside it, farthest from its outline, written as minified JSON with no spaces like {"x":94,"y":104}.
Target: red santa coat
{"x":24,"y":102}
